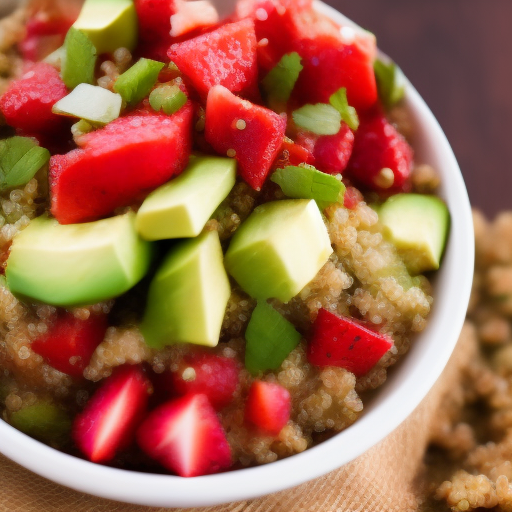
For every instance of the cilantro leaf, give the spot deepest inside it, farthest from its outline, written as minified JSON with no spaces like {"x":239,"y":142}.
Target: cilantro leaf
{"x":280,"y":81}
{"x":348,"y":114}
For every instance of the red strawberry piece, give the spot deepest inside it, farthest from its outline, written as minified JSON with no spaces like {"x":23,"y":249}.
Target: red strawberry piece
{"x":207,"y":374}
{"x":268,"y":407}
{"x":27,"y":103}
{"x":377,"y":146}
{"x":248,"y":132}
{"x":186,"y":437}
{"x":352,"y":198}
{"x":155,"y":20}
{"x":70,"y":342}
{"x":338,"y":341}
{"x":292,"y":154}
{"x":332,"y":152}
{"x":225,"y":56}
{"x":111,"y":417}
{"x":119,"y":164}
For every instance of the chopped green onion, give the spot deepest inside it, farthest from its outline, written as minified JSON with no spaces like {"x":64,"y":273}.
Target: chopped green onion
{"x":348,"y":114}
{"x":136,"y":83}
{"x":169,"y":98}
{"x":309,"y":183}
{"x":390,"y":82}
{"x":20,"y":159}
{"x":270,"y":338}
{"x":321,"y":119}
{"x":280,"y":81}
{"x":79,"y":59}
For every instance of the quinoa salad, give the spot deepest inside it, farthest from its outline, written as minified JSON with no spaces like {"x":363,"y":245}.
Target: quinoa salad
{"x":214,"y":237}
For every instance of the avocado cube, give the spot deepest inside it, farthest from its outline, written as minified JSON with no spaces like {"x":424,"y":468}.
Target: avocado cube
{"x":181,"y":208}
{"x":77,"y":264}
{"x":279,"y":249}
{"x":188,"y":296}
{"x":109,"y":24}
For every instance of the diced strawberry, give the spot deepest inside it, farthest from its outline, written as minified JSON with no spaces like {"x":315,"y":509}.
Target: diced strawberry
{"x":119,"y":164}
{"x":111,"y":417}
{"x":250,"y":133}
{"x":70,"y":342}
{"x":292,"y":154}
{"x":226,"y":56}
{"x":27,"y":103}
{"x":186,"y":437}
{"x":268,"y":407}
{"x":377,"y":146}
{"x":352,"y":198}
{"x":207,"y":374}
{"x":332,"y":152}
{"x":155,"y":20}
{"x":338,"y":341}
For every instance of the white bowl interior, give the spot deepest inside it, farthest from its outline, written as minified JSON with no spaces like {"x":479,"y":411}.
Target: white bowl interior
{"x":405,"y":388}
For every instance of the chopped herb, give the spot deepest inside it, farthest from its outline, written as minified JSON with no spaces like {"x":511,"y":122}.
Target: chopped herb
{"x":321,"y":119}
{"x":280,"y":81}
{"x":348,"y":114}
{"x":79,"y":59}
{"x":169,"y":98}
{"x":390,"y":82}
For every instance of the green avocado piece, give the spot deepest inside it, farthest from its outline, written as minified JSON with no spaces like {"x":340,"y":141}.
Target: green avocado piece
{"x":181,"y":208}
{"x":109,"y":24}
{"x":79,"y":58}
{"x":77,"y":264}
{"x":188,"y":296}
{"x":95,"y":104}
{"x":279,"y":249}
{"x":270,"y":338}
{"x":418,"y":226}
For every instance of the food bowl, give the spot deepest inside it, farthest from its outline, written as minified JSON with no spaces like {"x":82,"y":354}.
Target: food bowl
{"x":407,"y":384}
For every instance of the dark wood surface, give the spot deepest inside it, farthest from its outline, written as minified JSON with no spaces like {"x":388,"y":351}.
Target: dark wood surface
{"x":458,"y":54}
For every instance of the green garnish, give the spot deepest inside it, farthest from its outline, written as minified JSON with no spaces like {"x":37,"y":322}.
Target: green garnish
{"x":270,"y":338}
{"x":169,"y":98}
{"x":280,"y":81}
{"x":348,"y":114}
{"x":136,"y":83}
{"x":20,"y":159}
{"x":309,"y":183}
{"x":390,"y":82}
{"x":79,"y":59}
{"x":321,"y":119}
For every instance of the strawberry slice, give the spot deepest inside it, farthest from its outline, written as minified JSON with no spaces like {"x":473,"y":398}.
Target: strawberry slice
{"x":332,"y":152}
{"x":186,"y":437}
{"x":208,"y":374}
{"x":119,"y":164}
{"x":27,"y":103}
{"x":70,"y":342}
{"x":225,"y":56}
{"x":268,"y":407}
{"x":111,"y":416}
{"x":250,"y":133}
{"x":378,"y":146}
{"x":338,"y":341}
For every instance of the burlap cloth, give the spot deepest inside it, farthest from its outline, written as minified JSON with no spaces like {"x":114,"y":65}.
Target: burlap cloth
{"x":386,"y":478}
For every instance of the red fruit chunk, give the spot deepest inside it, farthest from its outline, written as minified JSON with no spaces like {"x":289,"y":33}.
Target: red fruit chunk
{"x":250,"y":133}
{"x":226,"y":56}
{"x":338,"y":341}
{"x":154,"y":19}
{"x":377,"y":146}
{"x":332,"y":152}
{"x":352,"y":198}
{"x":292,"y":154}
{"x":186,"y":437}
{"x":27,"y":103}
{"x":207,"y":374}
{"x":111,"y":417}
{"x":268,"y":407}
{"x":70,"y":342}
{"x":119,"y":164}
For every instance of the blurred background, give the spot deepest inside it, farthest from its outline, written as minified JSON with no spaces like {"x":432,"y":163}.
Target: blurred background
{"x":458,"y":54}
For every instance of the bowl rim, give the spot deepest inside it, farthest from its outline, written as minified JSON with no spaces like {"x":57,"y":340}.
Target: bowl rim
{"x":401,"y":394}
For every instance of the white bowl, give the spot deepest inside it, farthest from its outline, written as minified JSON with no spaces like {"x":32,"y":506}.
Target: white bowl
{"x":400,"y":395}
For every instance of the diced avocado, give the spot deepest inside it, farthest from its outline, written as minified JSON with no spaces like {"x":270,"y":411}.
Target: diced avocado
{"x":181,"y":208}
{"x":109,"y":24}
{"x":90,"y":102}
{"x":42,"y":420}
{"x":136,"y":83}
{"x":418,"y":226}
{"x":188,"y":296}
{"x":20,"y":159}
{"x":279,"y":249}
{"x":79,"y":59}
{"x":270,"y":338}
{"x":76,"y":264}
